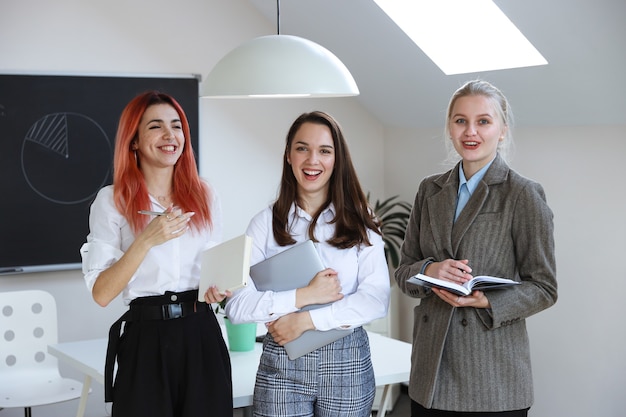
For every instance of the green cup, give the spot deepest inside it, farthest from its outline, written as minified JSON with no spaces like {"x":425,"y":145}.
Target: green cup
{"x":241,"y":337}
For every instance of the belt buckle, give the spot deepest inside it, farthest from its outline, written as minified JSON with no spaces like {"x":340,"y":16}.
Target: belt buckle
{"x":172,"y":311}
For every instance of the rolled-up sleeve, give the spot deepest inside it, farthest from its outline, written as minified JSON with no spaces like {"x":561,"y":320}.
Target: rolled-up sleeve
{"x":96,"y":257}
{"x":106,"y":238}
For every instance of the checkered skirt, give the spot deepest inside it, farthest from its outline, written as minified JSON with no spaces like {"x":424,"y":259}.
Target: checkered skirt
{"x":334,"y":380}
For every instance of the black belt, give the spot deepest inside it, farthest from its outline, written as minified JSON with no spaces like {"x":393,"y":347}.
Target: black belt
{"x":143,"y":312}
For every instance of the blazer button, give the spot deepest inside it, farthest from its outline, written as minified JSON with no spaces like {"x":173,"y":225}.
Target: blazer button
{"x":464,"y":322}
{"x":425,"y":319}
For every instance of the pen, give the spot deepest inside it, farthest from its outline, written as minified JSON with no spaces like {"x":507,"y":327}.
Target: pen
{"x":153,"y":213}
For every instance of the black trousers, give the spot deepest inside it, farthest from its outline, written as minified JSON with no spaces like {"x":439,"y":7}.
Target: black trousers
{"x":172,"y":366}
{"x":418,"y":411}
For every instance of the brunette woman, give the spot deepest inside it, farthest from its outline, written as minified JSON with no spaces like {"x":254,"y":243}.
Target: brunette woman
{"x":320,"y":199}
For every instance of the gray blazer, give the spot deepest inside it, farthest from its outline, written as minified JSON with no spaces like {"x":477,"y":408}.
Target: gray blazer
{"x":468,"y":359}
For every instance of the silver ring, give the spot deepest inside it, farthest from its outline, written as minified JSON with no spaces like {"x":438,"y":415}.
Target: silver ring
{"x":168,"y":217}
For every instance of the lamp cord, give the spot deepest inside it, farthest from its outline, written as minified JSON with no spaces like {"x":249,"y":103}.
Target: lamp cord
{"x":278,"y":17}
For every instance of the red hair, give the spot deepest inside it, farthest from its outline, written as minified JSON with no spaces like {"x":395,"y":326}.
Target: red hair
{"x":130,"y":192}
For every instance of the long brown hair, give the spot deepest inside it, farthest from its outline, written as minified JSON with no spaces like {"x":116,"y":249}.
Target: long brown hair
{"x":130,"y":192}
{"x":353,"y":215}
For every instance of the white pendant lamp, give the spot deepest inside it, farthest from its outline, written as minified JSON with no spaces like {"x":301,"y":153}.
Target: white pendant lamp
{"x":278,"y":66}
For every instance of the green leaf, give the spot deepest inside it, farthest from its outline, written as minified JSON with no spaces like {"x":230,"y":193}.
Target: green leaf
{"x":394,"y":216}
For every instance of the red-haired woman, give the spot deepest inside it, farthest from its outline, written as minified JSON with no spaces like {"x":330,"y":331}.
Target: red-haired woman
{"x":171,"y":357}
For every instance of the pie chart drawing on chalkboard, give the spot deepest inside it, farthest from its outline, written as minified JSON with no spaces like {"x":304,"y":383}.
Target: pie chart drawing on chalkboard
{"x":66,"y":157}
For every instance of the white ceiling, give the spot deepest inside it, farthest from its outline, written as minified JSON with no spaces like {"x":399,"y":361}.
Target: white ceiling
{"x":584,"y":42}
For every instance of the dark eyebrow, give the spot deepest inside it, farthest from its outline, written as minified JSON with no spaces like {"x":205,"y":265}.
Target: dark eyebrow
{"x":301,"y":142}
{"x":162,"y":121}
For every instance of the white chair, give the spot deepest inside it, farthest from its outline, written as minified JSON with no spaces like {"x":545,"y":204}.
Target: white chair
{"x":29,"y":376}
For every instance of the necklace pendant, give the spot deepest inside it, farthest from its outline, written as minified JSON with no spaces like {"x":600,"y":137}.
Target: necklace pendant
{"x":164,"y":200}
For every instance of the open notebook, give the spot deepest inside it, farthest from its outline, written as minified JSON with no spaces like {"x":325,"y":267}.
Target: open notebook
{"x":290,"y":269}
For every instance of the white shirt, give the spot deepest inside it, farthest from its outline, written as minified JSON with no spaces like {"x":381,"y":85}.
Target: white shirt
{"x":171,"y":266}
{"x":362,"y":271}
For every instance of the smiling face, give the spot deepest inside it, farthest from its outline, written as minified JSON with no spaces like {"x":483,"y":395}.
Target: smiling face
{"x":475,"y":129}
{"x":312,"y":159}
{"x":160,"y":139}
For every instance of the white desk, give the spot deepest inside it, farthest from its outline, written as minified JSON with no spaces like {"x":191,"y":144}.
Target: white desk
{"x":391,"y":359}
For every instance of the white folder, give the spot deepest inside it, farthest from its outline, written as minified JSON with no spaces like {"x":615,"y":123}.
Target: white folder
{"x":226,"y":265}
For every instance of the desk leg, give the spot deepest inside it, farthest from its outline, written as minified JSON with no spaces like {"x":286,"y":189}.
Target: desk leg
{"x":382,"y":407}
{"x":82,"y":405}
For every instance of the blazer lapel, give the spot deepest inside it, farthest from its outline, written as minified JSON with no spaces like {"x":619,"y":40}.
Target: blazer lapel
{"x":496,"y":174}
{"x":441,"y":208}
{"x":468,"y":215}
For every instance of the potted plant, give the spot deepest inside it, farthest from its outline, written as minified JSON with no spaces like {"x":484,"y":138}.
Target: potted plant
{"x":394,"y":218}
{"x":240,"y":337}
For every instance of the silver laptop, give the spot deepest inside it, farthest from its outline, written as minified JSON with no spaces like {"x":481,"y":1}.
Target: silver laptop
{"x":290,"y":269}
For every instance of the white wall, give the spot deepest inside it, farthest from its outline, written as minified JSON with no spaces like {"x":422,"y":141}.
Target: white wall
{"x":241,"y":142}
{"x":578,"y":345}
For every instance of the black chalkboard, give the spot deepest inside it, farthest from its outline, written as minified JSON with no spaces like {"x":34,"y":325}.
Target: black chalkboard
{"x":57,"y":136}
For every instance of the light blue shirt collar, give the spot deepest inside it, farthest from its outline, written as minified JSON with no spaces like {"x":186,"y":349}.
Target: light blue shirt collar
{"x":472,"y":183}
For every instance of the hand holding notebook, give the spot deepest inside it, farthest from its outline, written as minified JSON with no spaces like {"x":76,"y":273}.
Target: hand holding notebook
{"x":481,"y":283}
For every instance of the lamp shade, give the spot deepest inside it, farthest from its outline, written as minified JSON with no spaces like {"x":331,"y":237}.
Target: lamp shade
{"x":279,"y":66}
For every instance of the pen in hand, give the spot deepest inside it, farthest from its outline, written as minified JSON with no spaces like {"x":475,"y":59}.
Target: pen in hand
{"x":153,"y":213}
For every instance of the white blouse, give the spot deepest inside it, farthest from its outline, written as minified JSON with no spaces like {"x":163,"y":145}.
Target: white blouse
{"x":171,"y":266}
{"x":362,"y":271}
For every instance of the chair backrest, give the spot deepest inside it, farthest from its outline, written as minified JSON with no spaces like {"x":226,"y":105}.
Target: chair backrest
{"x":28,"y":324}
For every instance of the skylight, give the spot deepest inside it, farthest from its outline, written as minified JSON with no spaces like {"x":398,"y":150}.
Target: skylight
{"x":463,"y":36}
